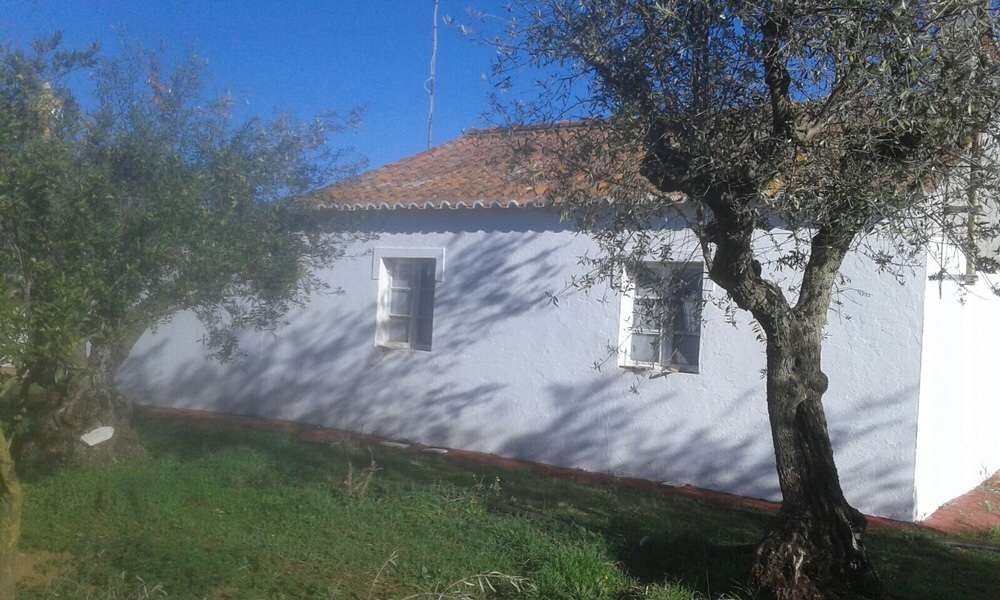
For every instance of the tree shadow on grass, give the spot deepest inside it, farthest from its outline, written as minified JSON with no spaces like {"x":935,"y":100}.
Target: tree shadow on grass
{"x":690,"y":559}
{"x":703,"y":546}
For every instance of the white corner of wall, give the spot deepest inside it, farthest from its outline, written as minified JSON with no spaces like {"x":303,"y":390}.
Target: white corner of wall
{"x":957,"y":448}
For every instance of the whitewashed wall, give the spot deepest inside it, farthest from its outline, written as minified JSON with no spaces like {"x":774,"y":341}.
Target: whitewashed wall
{"x":959,"y":422}
{"x":512,"y":374}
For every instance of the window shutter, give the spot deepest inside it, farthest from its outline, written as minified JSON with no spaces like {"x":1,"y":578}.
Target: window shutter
{"x":382,"y":304}
{"x":625,"y":320}
{"x":405,"y":302}
{"x":669,"y":337}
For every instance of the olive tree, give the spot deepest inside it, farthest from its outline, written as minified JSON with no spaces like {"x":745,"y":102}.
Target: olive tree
{"x":842,"y":125}
{"x":148,"y":200}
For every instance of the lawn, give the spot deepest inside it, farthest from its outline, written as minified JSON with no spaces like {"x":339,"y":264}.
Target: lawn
{"x":224,"y":513}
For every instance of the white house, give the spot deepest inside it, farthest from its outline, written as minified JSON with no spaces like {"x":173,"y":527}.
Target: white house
{"x":444,"y":333}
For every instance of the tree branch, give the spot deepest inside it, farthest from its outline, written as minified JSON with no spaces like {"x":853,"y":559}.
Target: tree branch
{"x":735,"y":267}
{"x":774,"y":31}
{"x":827,"y":251}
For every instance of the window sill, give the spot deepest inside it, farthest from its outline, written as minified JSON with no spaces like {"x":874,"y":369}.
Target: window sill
{"x":392,"y":346}
{"x":657,"y":370}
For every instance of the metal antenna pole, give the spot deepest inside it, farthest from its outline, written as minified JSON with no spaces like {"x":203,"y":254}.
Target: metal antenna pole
{"x":431,"y":81}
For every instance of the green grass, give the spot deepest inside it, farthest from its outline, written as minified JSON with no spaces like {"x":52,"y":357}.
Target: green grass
{"x":232,"y":514}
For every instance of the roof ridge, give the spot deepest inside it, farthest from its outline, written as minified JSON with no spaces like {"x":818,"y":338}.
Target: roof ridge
{"x":400,"y":161}
{"x":529,"y":128}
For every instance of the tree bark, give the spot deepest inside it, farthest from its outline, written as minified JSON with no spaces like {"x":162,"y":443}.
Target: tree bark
{"x":93,"y":399}
{"x":10,"y":521}
{"x":85,"y":401}
{"x":815,"y":548}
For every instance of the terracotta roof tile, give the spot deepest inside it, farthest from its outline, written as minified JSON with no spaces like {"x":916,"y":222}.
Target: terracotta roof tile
{"x":483,"y":168}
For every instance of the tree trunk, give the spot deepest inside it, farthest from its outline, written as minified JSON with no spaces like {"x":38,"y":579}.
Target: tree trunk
{"x":10,"y":521}
{"x":815,"y":548}
{"x":93,"y":400}
{"x":87,"y":400}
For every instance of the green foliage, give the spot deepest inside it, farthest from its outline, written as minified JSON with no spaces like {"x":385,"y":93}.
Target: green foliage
{"x":150,"y":201}
{"x":226,"y":513}
{"x":15,"y":421}
{"x":794,"y":131}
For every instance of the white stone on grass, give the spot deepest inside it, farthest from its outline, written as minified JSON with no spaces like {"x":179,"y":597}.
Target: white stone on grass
{"x":395,"y":444}
{"x":97,"y":436}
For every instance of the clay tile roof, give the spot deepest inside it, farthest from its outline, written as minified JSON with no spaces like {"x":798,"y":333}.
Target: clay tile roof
{"x":476,"y":170}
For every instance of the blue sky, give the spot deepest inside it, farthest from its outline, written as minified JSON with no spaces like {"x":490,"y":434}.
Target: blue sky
{"x":299,"y":56}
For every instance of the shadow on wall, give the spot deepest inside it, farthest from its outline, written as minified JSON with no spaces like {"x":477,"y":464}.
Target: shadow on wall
{"x":712,"y":455}
{"x":323,"y":369}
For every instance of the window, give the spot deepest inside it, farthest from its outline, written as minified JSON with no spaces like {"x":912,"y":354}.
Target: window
{"x":406,"y":303}
{"x":661,"y":317}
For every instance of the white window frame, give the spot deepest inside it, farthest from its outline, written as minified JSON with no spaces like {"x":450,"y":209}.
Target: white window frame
{"x":381,"y":260}
{"x":626,"y":315}
{"x":379,"y":254}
